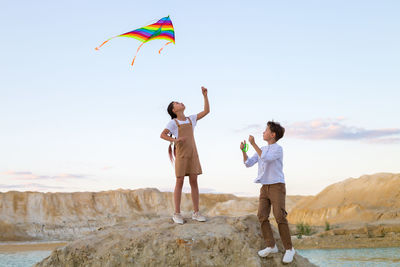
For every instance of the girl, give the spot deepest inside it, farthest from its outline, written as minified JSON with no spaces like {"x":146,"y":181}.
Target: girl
{"x":186,"y":158}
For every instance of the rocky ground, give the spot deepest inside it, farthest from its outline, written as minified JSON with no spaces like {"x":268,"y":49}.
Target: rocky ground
{"x":133,"y":227}
{"x":222,"y":241}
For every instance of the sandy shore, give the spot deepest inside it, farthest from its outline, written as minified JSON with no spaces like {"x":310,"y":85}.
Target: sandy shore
{"x":31,"y":246}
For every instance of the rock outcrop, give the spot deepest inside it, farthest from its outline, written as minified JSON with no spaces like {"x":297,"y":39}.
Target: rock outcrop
{"x":65,"y":216}
{"x":370,"y":198}
{"x":222,"y":241}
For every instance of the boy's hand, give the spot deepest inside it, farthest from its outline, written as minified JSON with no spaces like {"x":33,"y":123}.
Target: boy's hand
{"x":242,"y":144}
{"x":251,"y":140}
{"x":204,"y":91}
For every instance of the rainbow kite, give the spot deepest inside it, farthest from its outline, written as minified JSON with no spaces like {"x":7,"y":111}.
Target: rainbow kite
{"x":162,"y":29}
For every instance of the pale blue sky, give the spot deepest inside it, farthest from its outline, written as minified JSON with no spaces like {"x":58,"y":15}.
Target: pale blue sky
{"x":76,"y":119}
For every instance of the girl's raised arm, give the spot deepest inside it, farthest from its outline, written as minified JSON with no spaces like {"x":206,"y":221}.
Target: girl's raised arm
{"x":206,"y":104}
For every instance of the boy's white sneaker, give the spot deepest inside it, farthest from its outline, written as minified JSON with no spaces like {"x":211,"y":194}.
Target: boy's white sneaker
{"x":268,"y":250}
{"x":198,"y":217}
{"x":288,"y":257}
{"x":177,"y":218}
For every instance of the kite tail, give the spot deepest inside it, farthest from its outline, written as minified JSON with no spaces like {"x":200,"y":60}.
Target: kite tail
{"x":136,"y":53}
{"x":97,"y":48}
{"x":159,"y":51}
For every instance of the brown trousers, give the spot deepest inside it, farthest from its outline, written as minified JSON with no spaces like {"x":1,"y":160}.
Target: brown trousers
{"x":274,"y":194}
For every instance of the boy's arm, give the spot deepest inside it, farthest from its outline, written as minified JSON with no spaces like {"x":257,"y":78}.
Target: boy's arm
{"x":242,"y":146}
{"x":245,"y":157}
{"x":255,"y":146}
{"x":250,"y":161}
{"x":257,"y":149}
{"x":246,"y":160}
{"x":206,"y":105}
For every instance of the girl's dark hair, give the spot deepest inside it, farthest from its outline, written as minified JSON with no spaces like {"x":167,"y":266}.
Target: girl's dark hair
{"x":169,"y":110}
{"x":276,"y":128}
{"x":173,"y":116}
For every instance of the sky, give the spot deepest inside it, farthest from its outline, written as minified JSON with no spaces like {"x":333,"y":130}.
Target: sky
{"x":76,"y":119}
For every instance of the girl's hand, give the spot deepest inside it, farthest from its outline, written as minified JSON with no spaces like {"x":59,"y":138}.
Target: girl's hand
{"x":204,"y":91}
{"x":242,"y":144}
{"x":180,"y":140}
{"x":251,"y":140}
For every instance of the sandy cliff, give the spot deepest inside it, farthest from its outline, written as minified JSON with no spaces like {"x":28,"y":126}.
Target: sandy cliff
{"x":63,"y":216}
{"x":370,"y":198}
{"x":66,"y":216}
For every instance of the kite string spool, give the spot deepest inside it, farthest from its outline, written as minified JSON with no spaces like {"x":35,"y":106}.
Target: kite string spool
{"x":245,"y":148}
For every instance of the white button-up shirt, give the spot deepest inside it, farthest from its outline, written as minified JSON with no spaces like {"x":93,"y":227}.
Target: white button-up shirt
{"x":270,"y":164}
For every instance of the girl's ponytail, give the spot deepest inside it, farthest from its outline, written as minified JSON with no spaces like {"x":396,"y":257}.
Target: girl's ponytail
{"x":171,"y":153}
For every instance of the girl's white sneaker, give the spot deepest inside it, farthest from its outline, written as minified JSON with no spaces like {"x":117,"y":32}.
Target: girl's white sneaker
{"x":268,"y":250}
{"x":177,"y":218}
{"x":198,"y":217}
{"x":288,"y":257}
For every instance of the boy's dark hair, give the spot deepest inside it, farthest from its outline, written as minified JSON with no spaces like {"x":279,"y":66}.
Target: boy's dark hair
{"x":276,"y":128}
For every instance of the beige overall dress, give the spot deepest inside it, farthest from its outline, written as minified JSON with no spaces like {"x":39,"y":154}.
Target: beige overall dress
{"x":187,"y":160}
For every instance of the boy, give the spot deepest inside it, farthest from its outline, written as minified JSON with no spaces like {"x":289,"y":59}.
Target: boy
{"x":273,"y":190}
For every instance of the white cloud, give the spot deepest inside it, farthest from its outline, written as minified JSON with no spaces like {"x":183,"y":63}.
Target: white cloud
{"x":334,"y":129}
{"x":105,"y":168}
{"x":250,"y":127}
{"x":30,"y":186}
{"x":25,"y":175}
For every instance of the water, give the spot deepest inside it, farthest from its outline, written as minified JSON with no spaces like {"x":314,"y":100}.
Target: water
{"x":22,"y":259}
{"x":357,"y":257}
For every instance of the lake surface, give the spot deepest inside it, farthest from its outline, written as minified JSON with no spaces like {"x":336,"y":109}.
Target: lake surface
{"x":22,"y":259}
{"x":322,"y":257}
{"x":356,"y":257}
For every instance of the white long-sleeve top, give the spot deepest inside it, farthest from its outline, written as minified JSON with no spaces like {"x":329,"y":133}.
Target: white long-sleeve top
{"x":270,"y":164}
